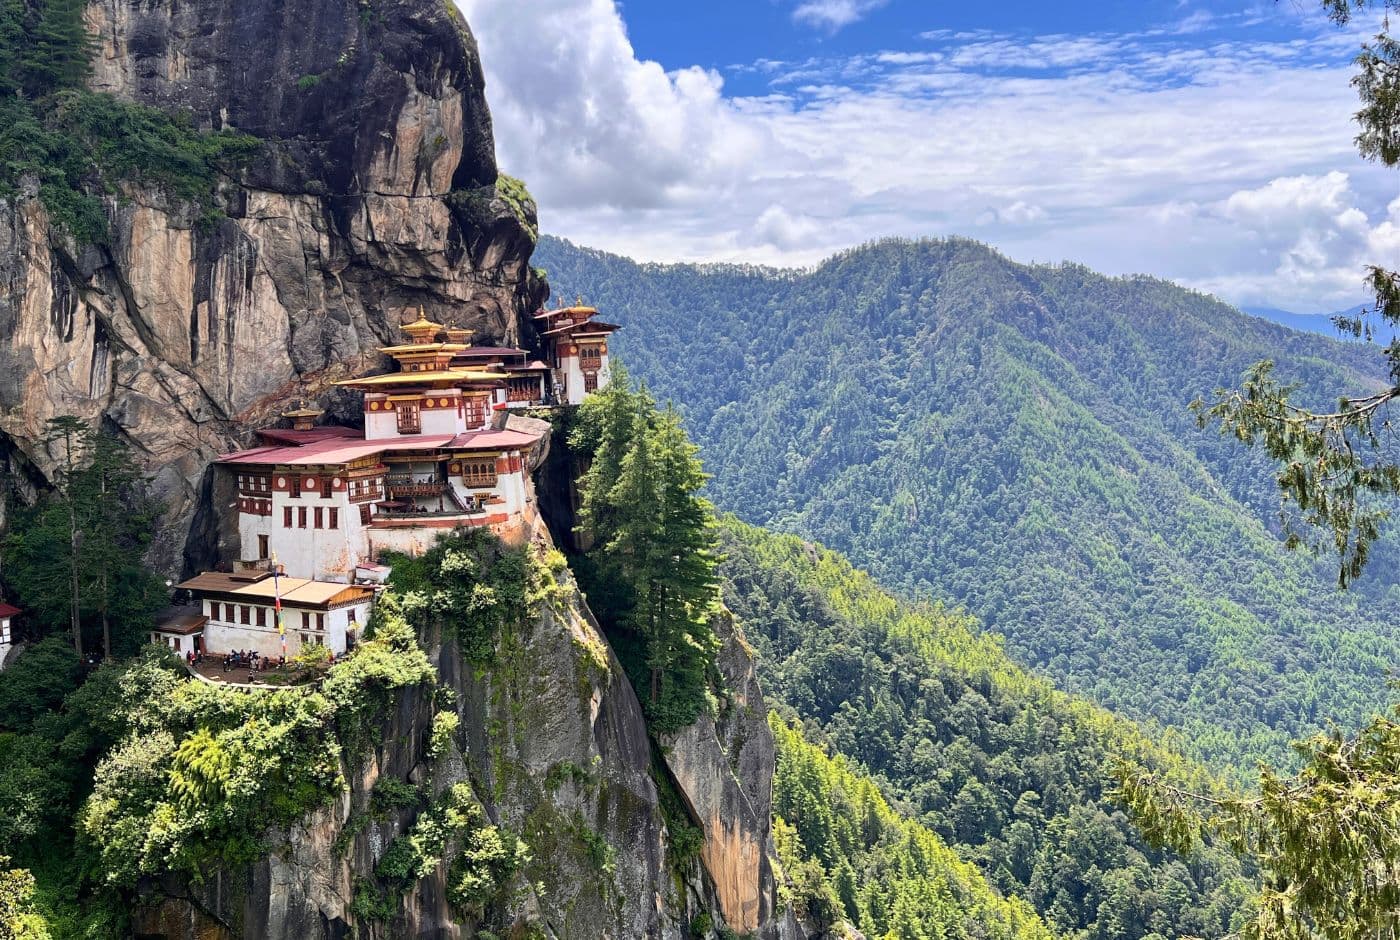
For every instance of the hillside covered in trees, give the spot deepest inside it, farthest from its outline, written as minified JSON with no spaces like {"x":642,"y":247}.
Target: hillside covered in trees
{"x":1018,"y":439}
{"x":986,"y":758}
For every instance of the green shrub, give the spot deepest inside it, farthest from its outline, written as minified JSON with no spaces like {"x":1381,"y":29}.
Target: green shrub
{"x":445,"y":724}
{"x":203,"y":771}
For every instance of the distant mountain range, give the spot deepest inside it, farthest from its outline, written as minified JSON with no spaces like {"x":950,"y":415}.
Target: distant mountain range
{"x":1322,"y":323}
{"x":1017,"y":439}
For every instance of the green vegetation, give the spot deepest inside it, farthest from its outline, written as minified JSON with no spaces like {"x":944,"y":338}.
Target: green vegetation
{"x":18,"y":918}
{"x":479,"y":204}
{"x":79,"y":145}
{"x":513,"y":192}
{"x":481,"y":858}
{"x":76,"y":558}
{"x":1004,"y":769}
{"x":471,"y":586}
{"x":140,"y":771}
{"x":1017,"y":439}
{"x":1326,"y":839}
{"x":849,"y":854}
{"x":202,"y":772}
{"x":651,"y":575}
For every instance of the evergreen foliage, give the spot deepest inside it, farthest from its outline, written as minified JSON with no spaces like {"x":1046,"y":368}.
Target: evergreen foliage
{"x":471,"y":585}
{"x":79,"y":145}
{"x":1018,"y":439}
{"x":18,"y":919}
{"x":202,"y":772}
{"x":1327,"y":840}
{"x":651,"y":572}
{"x":849,"y":854}
{"x":76,"y":559}
{"x":1006,"y":770}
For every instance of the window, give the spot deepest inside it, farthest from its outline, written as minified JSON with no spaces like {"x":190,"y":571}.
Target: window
{"x":335,"y":518}
{"x":480,"y":471}
{"x":474,"y":412}
{"x":326,"y":488}
{"x":245,"y":614}
{"x":301,"y":517}
{"x":296,"y":487}
{"x":260,"y":616}
{"x":286,"y":517}
{"x":590,"y":381}
{"x":263,"y":551}
{"x":409,"y":420}
{"x":228,"y":614}
{"x":365,"y":514}
{"x":321,"y":622}
{"x":305,"y":620}
{"x":318,"y":520}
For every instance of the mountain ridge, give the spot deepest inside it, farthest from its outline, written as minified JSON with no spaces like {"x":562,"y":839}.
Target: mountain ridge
{"x":1017,"y":438}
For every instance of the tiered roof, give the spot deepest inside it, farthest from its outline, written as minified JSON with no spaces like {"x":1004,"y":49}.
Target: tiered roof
{"x":563,"y":320}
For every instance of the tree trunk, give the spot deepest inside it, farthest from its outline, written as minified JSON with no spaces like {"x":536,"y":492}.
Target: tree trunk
{"x":73,"y":579}
{"x":655,"y":684}
{"x":106,"y":622}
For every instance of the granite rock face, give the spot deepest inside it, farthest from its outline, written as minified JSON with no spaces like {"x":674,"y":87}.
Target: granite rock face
{"x":374,"y":192}
{"x":553,"y":743}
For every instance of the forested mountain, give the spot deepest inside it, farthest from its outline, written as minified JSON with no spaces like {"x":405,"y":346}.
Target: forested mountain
{"x":996,"y":762}
{"x":1017,"y":439}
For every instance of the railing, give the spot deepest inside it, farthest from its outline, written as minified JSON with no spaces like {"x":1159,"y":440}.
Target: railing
{"x":398,"y":514}
{"x":416,"y":489}
{"x":408,"y":479}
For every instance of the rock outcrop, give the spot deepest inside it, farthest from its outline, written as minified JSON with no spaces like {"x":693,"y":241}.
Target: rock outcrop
{"x":553,"y":743}
{"x":374,"y":192}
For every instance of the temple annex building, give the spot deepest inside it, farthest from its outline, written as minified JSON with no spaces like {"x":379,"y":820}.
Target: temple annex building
{"x":442,"y":447}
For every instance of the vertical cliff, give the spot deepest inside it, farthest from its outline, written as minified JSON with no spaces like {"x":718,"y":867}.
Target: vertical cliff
{"x":374,"y":189}
{"x":552,"y":743}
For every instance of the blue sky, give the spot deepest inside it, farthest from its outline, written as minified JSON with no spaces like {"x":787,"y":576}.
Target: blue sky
{"x":1207,"y":142}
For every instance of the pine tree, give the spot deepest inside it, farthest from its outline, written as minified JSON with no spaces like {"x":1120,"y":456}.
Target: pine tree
{"x":78,"y":553}
{"x":686,"y":548}
{"x":59,"y":50}
{"x":635,"y":545}
{"x":606,"y":425}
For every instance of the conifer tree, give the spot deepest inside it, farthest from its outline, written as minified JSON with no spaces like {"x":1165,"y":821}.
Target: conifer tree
{"x":652,"y":569}
{"x":79,"y":552}
{"x":59,"y":50}
{"x":1326,"y":839}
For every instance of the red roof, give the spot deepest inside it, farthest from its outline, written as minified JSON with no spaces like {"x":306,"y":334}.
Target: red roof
{"x":290,"y":436}
{"x":477,"y":352}
{"x":334,"y":450}
{"x":534,"y":365}
{"x":493,"y":440}
{"x":7,"y":610}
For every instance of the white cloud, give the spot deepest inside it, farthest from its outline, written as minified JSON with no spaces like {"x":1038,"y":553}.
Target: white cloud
{"x":1227,"y":165}
{"x":834,"y":14}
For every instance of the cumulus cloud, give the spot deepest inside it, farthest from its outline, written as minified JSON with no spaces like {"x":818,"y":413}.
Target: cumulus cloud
{"x":834,"y":14}
{"x":1225,"y":163}
{"x":1310,"y":235}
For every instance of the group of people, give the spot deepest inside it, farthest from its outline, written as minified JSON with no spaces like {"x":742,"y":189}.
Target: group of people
{"x":252,"y":661}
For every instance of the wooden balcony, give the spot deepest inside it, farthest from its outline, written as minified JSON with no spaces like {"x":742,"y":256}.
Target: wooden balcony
{"x":407,"y":490}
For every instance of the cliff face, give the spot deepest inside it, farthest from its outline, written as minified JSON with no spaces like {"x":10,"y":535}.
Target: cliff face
{"x":375,"y":191}
{"x":553,"y":744}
